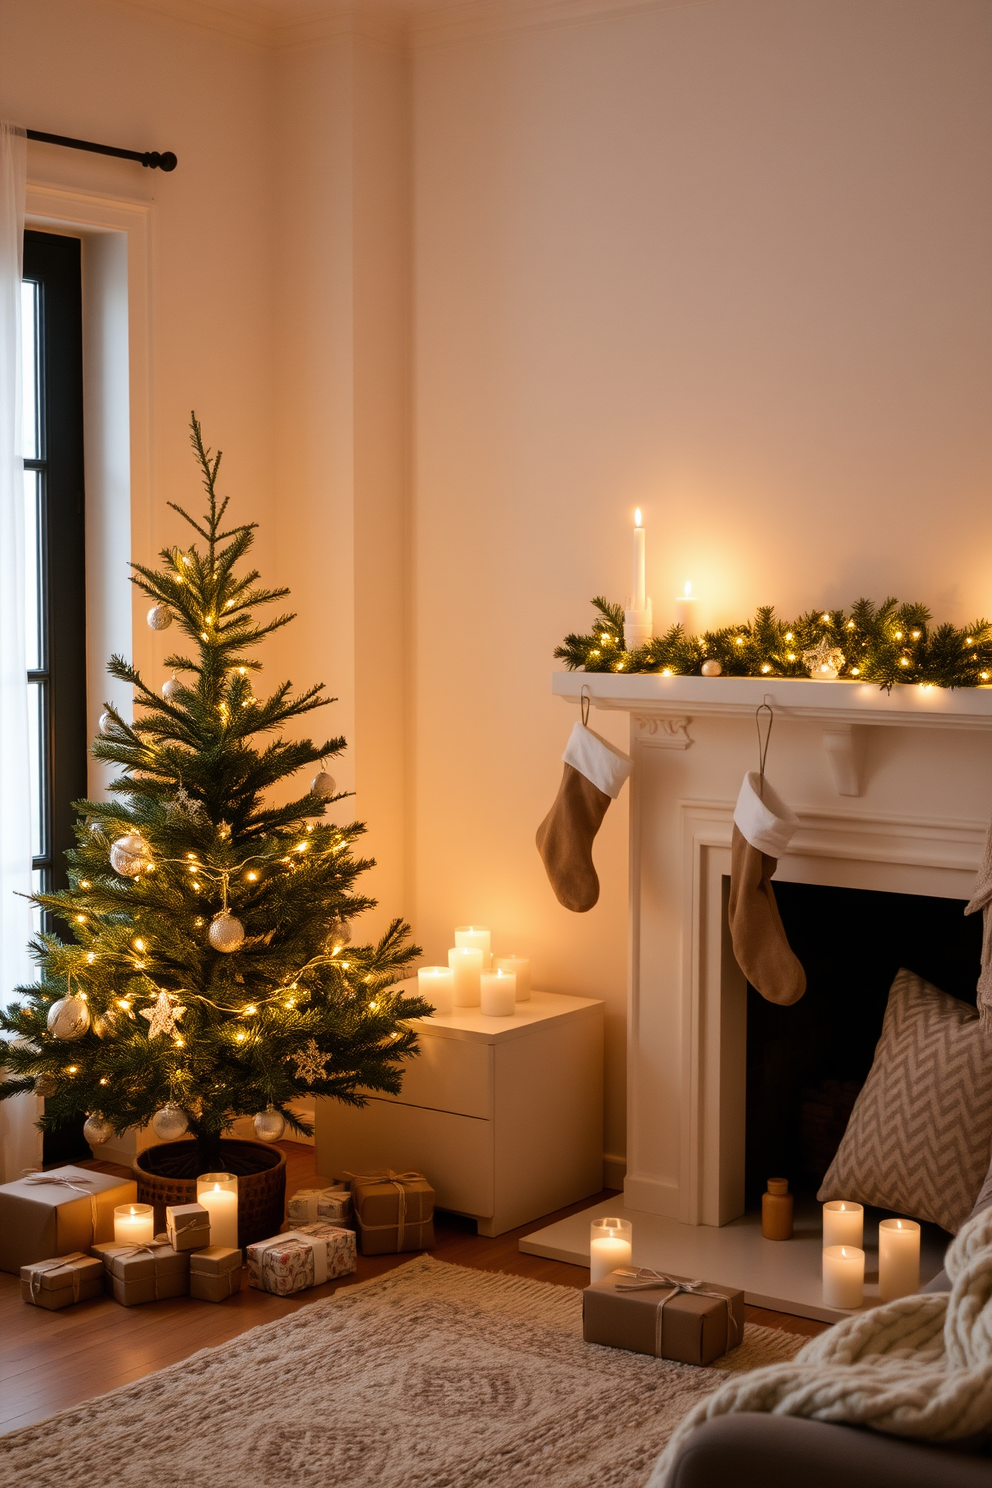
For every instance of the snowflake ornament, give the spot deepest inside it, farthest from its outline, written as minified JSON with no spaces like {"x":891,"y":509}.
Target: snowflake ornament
{"x":310,"y":1063}
{"x":824,"y":661}
{"x":186,"y":806}
{"x":163,"y":1015}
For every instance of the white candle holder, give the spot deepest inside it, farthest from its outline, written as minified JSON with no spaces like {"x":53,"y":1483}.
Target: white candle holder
{"x":134,"y":1224}
{"x":520,"y":966}
{"x":843,"y":1276}
{"x":218,"y":1193}
{"x":610,"y":1246}
{"x":898,"y":1259}
{"x":437,"y":985}
{"x":477,"y":938}
{"x":497,"y":993}
{"x":466,"y":963}
{"x":843,"y":1223}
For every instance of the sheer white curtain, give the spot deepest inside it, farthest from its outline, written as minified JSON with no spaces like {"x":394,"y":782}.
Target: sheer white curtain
{"x":20,"y":1141}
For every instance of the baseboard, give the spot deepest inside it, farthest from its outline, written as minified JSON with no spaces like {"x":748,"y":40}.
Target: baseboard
{"x":614,"y":1170}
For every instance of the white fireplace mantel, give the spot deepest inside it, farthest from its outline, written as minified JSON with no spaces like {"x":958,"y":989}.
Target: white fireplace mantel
{"x":664,"y":707}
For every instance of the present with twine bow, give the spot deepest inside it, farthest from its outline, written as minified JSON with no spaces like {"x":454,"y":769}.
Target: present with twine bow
{"x":300,"y":1258}
{"x":144,"y":1273}
{"x":393,"y":1211}
{"x":45,"y":1215}
{"x":308,"y":1205}
{"x":214,"y":1273}
{"x":671,"y":1317}
{"x":62,"y":1280}
{"x":187,"y":1226}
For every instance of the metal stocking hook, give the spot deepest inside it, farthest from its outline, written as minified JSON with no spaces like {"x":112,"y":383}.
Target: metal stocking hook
{"x":585,"y":702}
{"x":763,"y":747}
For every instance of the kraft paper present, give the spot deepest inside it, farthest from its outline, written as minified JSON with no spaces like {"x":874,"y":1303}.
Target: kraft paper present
{"x":671,"y":1317}
{"x":311,"y":1204}
{"x":61,"y":1281}
{"x":187,"y":1226}
{"x":144,"y":1273}
{"x":214,"y":1273}
{"x":393,"y":1212}
{"x":55,"y":1213}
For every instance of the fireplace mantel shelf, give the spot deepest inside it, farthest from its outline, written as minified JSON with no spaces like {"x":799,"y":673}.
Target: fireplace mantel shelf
{"x":824,"y":702}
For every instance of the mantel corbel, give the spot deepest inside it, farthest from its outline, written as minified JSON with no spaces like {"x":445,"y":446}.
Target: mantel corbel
{"x":661,"y":731}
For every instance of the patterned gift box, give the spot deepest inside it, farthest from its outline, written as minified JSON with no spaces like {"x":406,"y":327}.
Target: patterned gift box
{"x":144,"y":1273}
{"x":214,"y":1273}
{"x":61,"y":1281}
{"x":187,"y":1226}
{"x":342,"y":1252}
{"x":301,"y":1258}
{"x":393,"y":1211}
{"x":51,"y":1214}
{"x":310,"y":1204}
{"x":670,"y":1317}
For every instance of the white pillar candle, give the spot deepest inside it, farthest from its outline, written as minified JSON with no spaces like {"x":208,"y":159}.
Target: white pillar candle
{"x":466,"y":963}
{"x":687,"y":611}
{"x":843,"y":1276}
{"x":218,"y":1193}
{"x":898,"y":1258}
{"x":520,"y":966}
{"x":134,"y":1224}
{"x":476,"y":937}
{"x":610,"y":1246}
{"x":639,"y":592}
{"x":843,"y":1223}
{"x":497,"y":993}
{"x":437,"y":985}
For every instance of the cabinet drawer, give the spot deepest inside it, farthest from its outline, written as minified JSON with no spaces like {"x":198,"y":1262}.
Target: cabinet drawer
{"x":454,"y":1153}
{"x":449,"y":1075}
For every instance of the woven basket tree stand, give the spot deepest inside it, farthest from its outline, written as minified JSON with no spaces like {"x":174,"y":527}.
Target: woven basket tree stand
{"x":167,"y":1175}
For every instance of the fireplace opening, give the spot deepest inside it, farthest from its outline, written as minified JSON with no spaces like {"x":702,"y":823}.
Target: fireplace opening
{"x":807,"y":1063}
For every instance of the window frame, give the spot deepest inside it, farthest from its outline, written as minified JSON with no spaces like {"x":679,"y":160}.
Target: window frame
{"x":54,"y":262}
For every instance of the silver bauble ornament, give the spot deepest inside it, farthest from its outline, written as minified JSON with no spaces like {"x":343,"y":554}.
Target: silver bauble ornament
{"x":159,"y":617}
{"x":96,"y":1129}
{"x":170,"y":687}
{"x":269,"y":1125}
{"x":68,"y":1018}
{"x":339,"y":933}
{"x":323,"y":785}
{"x":105,"y":724}
{"x":712,"y":669}
{"x":225,"y":933}
{"x":130,"y":855}
{"x":45,"y":1086}
{"x":169,"y":1123}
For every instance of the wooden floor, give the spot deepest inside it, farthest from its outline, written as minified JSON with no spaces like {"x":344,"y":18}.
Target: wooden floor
{"x":52,"y":1361}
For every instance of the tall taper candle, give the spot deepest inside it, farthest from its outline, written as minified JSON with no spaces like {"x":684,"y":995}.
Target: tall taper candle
{"x":640,"y":583}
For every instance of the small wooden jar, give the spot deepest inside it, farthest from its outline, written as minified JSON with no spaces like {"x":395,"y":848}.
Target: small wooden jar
{"x":776,"y":1210}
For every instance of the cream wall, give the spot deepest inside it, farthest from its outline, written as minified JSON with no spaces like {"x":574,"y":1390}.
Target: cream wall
{"x":729,"y":262}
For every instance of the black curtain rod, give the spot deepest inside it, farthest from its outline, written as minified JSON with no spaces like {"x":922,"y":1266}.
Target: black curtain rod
{"x":151,"y":158}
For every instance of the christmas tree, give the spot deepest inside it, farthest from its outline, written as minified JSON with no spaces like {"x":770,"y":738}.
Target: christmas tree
{"x":210,"y":973}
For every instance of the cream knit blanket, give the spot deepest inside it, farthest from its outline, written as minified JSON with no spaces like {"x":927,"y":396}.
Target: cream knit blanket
{"x":919,"y":1367}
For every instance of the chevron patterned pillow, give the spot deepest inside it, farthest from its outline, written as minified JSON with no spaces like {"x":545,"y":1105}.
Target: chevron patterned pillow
{"x":919,"y":1136}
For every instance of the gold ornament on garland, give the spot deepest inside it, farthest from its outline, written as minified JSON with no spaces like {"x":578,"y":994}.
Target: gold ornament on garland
{"x":226,"y":932}
{"x":884,"y":644}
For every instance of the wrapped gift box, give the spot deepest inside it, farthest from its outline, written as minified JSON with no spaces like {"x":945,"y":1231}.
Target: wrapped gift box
{"x":301,"y":1258}
{"x":144,"y":1273}
{"x":311,"y":1204}
{"x":671,"y":1317}
{"x":62,"y":1280}
{"x":187,"y":1226}
{"x":214,"y":1273}
{"x":53,"y":1214}
{"x":393,"y":1212}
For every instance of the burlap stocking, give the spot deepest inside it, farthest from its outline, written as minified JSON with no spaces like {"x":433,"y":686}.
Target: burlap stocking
{"x":594,"y":775}
{"x":763,"y":826}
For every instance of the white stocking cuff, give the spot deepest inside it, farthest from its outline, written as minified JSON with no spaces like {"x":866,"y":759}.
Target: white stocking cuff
{"x":764,"y":820}
{"x":606,"y":766}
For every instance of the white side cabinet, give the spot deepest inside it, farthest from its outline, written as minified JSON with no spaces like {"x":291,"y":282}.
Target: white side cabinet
{"x":503,"y":1116}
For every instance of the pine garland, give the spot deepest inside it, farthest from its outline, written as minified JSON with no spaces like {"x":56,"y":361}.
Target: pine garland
{"x":888,"y":643}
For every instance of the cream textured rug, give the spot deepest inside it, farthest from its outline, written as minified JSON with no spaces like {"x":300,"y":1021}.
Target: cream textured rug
{"x":432,"y":1376}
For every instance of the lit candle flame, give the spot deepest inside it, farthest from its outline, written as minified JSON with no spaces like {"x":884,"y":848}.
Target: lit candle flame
{"x":637,"y":517}
{"x":688,"y":589}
